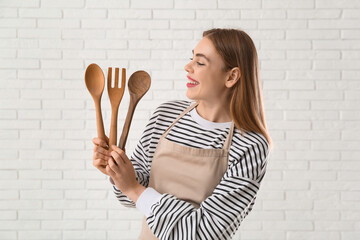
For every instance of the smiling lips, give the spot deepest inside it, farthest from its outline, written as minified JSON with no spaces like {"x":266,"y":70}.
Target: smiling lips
{"x":191,"y":82}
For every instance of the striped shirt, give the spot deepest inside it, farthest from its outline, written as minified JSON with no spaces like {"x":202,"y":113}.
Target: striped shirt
{"x":219,"y":216}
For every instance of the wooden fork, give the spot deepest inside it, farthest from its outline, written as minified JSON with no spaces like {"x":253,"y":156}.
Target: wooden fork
{"x":115,"y":96}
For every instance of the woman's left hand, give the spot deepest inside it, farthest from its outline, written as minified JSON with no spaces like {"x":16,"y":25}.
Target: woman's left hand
{"x":123,"y":174}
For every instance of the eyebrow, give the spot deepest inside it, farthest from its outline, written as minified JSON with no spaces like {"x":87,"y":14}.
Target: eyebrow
{"x":201,"y":55}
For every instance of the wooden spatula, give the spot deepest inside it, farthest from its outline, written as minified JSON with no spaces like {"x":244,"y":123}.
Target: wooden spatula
{"x":138,"y":84}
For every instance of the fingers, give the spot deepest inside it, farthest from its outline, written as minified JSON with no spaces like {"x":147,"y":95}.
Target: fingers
{"x":100,"y":159}
{"x":119,"y":155}
{"x":101,"y":150}
{"x":117,"y":149}
{"x":100,"y":142}
{"x":100,"y":162}
{"x":111,"y":167}
{"x":109,"y":171}
{"x":117,"y":158}
{"x":101,"y":155}
{"x":105,"y":156}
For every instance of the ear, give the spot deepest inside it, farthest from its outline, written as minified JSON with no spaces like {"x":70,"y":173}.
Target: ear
{"x":233,"y":77}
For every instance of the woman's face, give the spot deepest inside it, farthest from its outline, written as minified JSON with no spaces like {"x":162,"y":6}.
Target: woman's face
{"x":206,"y":68}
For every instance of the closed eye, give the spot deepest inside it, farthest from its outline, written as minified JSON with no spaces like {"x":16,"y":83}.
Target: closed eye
{"x":201,"y":64}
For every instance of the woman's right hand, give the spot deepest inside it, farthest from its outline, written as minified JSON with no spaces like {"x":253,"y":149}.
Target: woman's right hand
{"x":101,"y":154}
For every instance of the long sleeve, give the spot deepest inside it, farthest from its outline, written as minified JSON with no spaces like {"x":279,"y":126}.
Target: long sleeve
{"x":220,"y":215}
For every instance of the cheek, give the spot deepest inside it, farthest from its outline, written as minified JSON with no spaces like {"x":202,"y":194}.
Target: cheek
{"x":210,"y":79}
{"x":215,"y":85}
{"x":205,"y":74}
{"x":213,"y":79}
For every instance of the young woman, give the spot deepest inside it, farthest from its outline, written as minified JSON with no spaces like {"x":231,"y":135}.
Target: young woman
{"x":198,"y":166}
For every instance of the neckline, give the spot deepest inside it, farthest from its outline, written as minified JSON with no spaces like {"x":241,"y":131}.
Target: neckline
{"x":228,"y":140}
{"x":206,"y":123}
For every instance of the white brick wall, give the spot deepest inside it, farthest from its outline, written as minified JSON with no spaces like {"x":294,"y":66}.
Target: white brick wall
{"x":309,"y":53}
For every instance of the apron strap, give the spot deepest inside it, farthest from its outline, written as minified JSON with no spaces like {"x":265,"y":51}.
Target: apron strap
{"x":180,"y":116}
{"x":228,"y":138}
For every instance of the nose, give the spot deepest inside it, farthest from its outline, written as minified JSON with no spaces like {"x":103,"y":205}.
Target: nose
{"x":188,"y":67}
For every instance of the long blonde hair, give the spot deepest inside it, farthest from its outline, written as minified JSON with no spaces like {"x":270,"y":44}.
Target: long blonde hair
{"x":246,"y":106}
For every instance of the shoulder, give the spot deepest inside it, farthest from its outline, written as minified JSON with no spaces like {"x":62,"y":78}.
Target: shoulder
{"x":172,"y":108}
{"x":175,"y":104}
{"x":251,"y":152}
{"x":251,"y":139}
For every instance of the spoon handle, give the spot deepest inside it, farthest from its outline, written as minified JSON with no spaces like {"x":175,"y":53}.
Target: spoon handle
{"x":127,"y":123}
{"x":99,"y":121}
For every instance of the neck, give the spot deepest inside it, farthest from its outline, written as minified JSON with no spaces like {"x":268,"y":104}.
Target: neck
{"x":214,"y":111}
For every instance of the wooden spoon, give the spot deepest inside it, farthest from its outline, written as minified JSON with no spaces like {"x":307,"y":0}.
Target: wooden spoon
{"x":95,"y":82}
{"x":138,"y":84}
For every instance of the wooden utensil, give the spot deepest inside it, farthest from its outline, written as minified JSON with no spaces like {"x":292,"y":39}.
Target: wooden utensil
{"x":95,"y":81}
{"x":115,"y":96}
{"x":138,"y":84}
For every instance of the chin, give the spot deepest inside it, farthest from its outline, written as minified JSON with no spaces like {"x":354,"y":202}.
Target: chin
{"x":189,"y":96}
{"x":192,"y":97}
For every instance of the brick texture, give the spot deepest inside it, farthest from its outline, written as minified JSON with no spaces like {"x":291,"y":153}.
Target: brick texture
{"x":309,"y":54}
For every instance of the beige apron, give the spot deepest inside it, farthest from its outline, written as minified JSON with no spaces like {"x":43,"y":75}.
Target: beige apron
{"x":191,"y":174}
